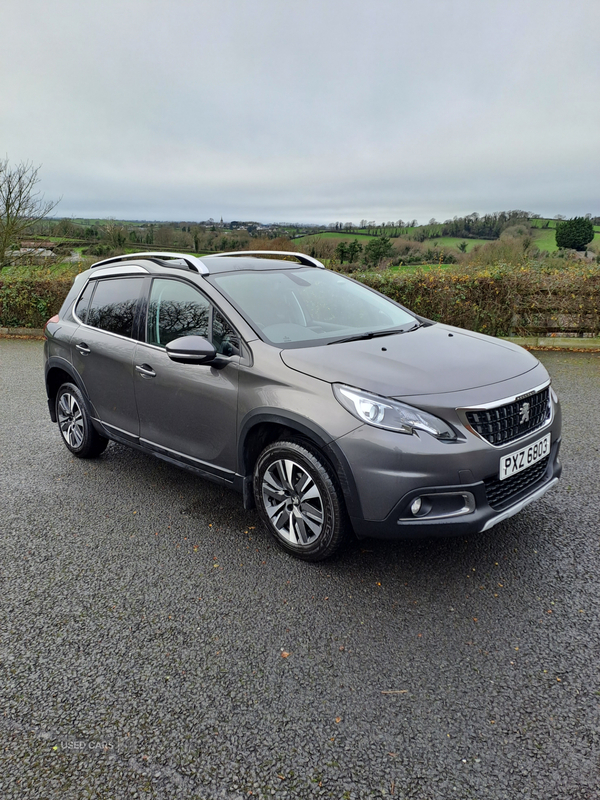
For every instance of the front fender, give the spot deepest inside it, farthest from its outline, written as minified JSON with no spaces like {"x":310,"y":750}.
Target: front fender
{"x":308,"y":430}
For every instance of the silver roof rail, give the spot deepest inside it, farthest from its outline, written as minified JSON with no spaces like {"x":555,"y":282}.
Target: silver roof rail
{"x":307,"y":261}
{"x":193,"y":262}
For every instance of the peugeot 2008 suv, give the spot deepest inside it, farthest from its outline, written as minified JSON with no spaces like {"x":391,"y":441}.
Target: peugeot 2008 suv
{"x":326,"y":404}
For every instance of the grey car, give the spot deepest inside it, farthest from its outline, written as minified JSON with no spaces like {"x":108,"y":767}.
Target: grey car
{"x":327,"y":405}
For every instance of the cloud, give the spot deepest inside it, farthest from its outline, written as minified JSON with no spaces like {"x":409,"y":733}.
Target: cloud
{"x":312,"y":111}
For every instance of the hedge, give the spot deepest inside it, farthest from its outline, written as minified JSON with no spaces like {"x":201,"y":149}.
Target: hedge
{"x":30,"y":302}
{"x":502,"y":301}
{"x":499,"y":301}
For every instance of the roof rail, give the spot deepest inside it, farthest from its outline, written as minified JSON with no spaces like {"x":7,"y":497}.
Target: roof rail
{"x":192,"y":262}
{"x":307,"y":261}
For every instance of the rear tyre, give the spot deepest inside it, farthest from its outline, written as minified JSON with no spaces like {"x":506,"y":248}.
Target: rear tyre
{"x":299,"y":501}
{"x":75,"y":424}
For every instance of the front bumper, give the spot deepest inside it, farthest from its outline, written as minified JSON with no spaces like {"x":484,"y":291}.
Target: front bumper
{"x":401,"y":524}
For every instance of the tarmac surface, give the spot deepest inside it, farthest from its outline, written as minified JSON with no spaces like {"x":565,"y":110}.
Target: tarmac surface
{"x":154,"y":643}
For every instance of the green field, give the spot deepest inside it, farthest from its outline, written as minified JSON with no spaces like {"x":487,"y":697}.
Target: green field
{"x":551,"y":223}
{"x":543,"y":223}
{"x":453,"y":241}
{"x":546,"y":239}
{"x":339,"y":237}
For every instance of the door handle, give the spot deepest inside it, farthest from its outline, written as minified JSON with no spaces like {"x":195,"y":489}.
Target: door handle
{"x":145,"y":370}
{"x":83,"y":348}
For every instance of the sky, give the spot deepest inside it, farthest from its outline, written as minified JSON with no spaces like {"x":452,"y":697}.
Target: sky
{"x":314,"y":111}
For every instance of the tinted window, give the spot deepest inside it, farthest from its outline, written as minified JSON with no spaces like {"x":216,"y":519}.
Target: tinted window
{"x":176,"y":309}
{"x":114,"y":304}
{"x":82,"y":305}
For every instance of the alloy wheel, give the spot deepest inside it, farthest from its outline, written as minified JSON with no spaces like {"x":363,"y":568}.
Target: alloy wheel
{"x":70,"y":420}
{"x":293,"y":502}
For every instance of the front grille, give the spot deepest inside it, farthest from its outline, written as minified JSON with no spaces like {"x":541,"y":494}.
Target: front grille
{"x":504,"y":424}
{"x":499,"y":493}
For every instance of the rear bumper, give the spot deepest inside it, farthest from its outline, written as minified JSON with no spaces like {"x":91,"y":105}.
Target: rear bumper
{"x":401,"y":524}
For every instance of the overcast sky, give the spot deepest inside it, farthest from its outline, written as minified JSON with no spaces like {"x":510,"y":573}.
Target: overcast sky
{"x":312,"y":111}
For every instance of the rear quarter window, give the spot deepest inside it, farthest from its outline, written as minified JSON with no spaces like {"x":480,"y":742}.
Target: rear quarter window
{"x":81,"y":308}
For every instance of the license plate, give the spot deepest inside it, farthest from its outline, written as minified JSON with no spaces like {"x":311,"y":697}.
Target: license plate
{"x":517,"y":462}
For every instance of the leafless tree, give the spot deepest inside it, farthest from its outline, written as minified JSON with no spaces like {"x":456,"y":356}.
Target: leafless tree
{"x":116,"y":234}
{"x":21,"y":206}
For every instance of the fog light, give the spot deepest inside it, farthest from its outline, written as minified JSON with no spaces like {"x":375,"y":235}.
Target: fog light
{"x":415,"y":506}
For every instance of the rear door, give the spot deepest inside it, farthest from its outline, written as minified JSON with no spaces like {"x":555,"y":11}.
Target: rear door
{"x":103,"y":348}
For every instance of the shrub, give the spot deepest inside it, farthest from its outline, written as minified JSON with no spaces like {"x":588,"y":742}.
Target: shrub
{"x":347,"y":267}
{"x":500,"y":301}
{"x":574,"y":234}
{"x":103,"y":250}
{"x":30,"y":302}
{"x":515,"y":250}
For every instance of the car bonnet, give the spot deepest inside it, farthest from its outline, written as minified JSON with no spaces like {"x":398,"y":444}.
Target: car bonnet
{"x":430,"y":360}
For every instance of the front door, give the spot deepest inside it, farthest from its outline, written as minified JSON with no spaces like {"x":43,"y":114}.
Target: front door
{"x":187,"y":411}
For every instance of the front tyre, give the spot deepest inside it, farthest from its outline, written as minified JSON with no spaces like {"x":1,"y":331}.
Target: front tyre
{"x":75,"y":425}
{"x":299,"y":501}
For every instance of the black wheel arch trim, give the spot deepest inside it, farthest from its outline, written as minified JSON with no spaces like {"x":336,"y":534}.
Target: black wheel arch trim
{"x":313,"y":433}
{"x":55,"y":362}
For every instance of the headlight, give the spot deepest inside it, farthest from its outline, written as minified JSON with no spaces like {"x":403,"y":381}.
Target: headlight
{"x":390,"y":414}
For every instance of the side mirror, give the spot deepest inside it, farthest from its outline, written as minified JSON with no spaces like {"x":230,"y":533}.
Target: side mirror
{"x":191,"y":350}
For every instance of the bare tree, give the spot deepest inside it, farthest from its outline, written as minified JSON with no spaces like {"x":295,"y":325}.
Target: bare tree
{"x":164,"y":236}
{"x":21,"y":206}
{"x":116,"y":234}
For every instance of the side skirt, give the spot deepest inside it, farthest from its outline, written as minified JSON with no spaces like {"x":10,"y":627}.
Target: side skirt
{"x":230,"y":480}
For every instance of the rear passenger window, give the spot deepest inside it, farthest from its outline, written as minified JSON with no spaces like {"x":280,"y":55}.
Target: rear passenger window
{"x":81,"y":308}
{"x":114,"y":305}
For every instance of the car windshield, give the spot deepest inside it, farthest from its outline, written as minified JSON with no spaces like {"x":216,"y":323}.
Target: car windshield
{"x":308,"y":306}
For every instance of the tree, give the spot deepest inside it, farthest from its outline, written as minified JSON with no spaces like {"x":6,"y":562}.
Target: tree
{"x":354,"y":248}
{"x":342,"y":251}
{"x":378,"y":249}
{"x":67,"y":229}
{"x":575,"y":233}
{"x":116,"y":234}
{"x":21,"y":206}
{"x":164,"y":235}
{"x":196,"y":234}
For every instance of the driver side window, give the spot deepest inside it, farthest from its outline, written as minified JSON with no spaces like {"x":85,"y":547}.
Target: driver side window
{"x":176,"y":309}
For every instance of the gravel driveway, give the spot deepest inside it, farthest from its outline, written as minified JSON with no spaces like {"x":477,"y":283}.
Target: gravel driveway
{"x":154,"y":643}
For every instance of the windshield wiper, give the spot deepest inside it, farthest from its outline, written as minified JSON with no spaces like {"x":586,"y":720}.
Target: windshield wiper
{"x":373,"y":334}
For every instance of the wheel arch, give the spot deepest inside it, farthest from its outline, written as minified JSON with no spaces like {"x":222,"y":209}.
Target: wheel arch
{"x":59,"y":371}
{"x":263,"y":427}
